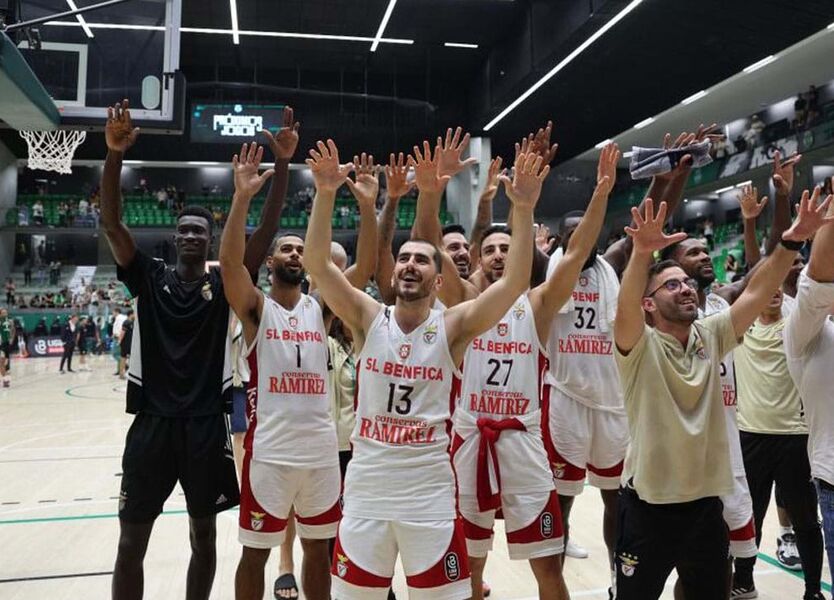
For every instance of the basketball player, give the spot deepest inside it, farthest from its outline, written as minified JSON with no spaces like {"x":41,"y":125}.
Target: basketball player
{"x":400,"y":490}
{"x":179,"y":382}
{"x":499,"y":413}
{"x":809,"y":346}
{"x":678,"y":462}
{"x":7,"y":331}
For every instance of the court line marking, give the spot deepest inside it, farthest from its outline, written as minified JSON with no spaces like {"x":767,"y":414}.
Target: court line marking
{"x":798,"y":574}
{"x":57,"y":459}
{"x":55,"y":435}
{"x":47,"y":577}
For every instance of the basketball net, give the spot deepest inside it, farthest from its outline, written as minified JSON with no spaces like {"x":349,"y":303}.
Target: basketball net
{"x":52,"y":150}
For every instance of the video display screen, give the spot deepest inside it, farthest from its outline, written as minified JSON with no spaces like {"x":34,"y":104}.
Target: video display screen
{"x":233,"y":123}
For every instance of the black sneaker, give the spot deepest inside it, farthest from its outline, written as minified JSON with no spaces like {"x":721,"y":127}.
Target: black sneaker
{"x":744,"y":592}
{"x":787,"y":553}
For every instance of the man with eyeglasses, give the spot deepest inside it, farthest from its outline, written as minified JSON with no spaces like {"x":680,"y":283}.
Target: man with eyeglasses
{"x":678,"y":463}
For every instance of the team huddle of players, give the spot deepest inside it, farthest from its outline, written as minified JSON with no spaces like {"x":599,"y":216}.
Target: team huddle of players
{"x":486,"y":386}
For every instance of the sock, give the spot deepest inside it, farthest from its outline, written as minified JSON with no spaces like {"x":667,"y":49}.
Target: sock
{"x":784,"y":530}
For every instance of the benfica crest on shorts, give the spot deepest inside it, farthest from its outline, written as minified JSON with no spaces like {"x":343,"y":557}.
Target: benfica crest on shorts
{"x":293,"y":322}
{"x":451,"y":563}
{"x":256,"y":520}
{"x":430,"y":334}
{"x":341,"y":565}
{"x":628,"y":563}
{"x":405,"y":350}
{"x":503,"y":328}
{"x":559,"y":470}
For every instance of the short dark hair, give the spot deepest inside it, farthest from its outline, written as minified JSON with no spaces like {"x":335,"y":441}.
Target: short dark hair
{"x":453,"y":228}
{"x":195,"y":210}
{"x":573,"y":214}
{"x":437,"y":258}
{"x":658,"y":267}
{"x":493,"y":229}
{"x":280,"y":235}
{"x":670,"y":251}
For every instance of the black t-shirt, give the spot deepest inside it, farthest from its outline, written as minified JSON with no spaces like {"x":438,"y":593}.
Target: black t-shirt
{"x":179,"y":354}
{"x":127,"y":332}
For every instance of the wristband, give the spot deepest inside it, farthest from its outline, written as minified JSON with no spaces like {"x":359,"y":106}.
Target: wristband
{"x":792,"y":246}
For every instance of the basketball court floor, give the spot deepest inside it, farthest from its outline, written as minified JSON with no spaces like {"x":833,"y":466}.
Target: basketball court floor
{"x":60,"y":448}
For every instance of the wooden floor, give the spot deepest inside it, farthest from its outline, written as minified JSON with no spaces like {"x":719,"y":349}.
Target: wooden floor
{"x":61,"y":442}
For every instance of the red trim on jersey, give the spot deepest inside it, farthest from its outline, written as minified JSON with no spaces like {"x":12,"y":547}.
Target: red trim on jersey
{"x":346,"y":570}
{"x":614,"y":471}
{"x":330,"y":516}
{"x":566,"y":471}
{"x":475,"y":532}
{"x":748,"y":532}
{"x":546,"y":526}
{"x":542,"y":369}
{"x":457,"y":442}
{"x":252,"y":516}
{"x":453,"y":565}
{"x":251,"y":399}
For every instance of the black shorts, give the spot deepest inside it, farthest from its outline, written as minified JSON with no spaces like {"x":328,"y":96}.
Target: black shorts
{"x":6,"y":349}
{"x":654,"y":539}
{"x":159,"y":451}
{"x":124,"y":350}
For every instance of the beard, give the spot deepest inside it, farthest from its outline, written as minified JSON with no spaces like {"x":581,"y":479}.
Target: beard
{"x":283,"y":275}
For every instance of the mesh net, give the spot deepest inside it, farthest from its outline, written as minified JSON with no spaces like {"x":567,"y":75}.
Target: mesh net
{"x":52,"y":150}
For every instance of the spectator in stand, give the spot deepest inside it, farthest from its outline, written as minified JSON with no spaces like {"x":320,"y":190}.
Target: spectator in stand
{"x":813,"y":99}
{"x":83,"y":208}
{"x":62,"y":214}
{"x":37,"y":213}
{"x":709,"y":234}
{"x":22,"y":339}
{"x":96,"y":215}
{"x":27,"y":271}
{"x":23,"y":215}
{"x":719,"y":148}
{"x":40,"y":329}
{"x":55,"y":328}
{"x":161,"y":200}
{"x":125,"y":341}
{"x":753,"y":135}
{"x":800,"y":112}
{"x":116,"y":332}
{"x":71,"y":212}
{"x":21,"y":301}
{"x":10,"y":289}
{"x":730,"y":267}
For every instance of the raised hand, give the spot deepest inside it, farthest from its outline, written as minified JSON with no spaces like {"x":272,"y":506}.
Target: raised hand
{"x":491,"y":188}
{"x":647,"y":233}
{"x":426,"y":171}
{"x":119,"y":132}
{"x":284,"y":143}
{"x":539,"y":143}
{"x":525,"y":187}
{"x":396,"y":177}
{"x":543,"y":241}
{"x":783,"y":172}
{"x":607,"y":167}
{"x":328,"y":174}
{"x":366,"y":187}
{"x":750,"y":207}
{"x":247,"y":180}
{"x":810,"y":217}
{"x":449,"y":152}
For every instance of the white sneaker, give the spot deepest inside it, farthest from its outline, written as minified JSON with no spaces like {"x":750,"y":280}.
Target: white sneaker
{"x":574,"y":550}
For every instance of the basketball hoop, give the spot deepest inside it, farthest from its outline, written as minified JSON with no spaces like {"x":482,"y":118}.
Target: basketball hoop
{"x":52,"y":150}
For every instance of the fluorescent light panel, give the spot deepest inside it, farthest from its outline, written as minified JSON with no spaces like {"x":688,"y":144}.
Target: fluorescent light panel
{"x":628,"y":154}
{"x":694,"y":97}
{"x":743,"y":183}
{"x":459,"y":45}
{"x":643,"y":123}
{"x":383,"y":24}
{"x":602,"y":144}
{"x":81,"y":20}
{"x":724,"y":189}
{"x":563,"y":63}
{"x":759,"y":64}
{"x":235,"y":33}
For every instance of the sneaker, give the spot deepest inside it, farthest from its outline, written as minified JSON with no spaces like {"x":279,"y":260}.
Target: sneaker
{"x":787,"y":553}
{"x":817,"y":596}
{"x":6,"y":383}
{"x":741,"y":592}
{"x":574,"y":550}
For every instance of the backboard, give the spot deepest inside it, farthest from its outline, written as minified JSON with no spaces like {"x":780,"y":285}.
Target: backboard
{"x":90,"y":61}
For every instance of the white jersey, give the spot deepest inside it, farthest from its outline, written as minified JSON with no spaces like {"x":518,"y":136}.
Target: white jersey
{"x":503,"y":370}
{"x":581,"y":355}
{"x":401,"y":469}
{"x":287,"y":397}
{"x":715,"y":304}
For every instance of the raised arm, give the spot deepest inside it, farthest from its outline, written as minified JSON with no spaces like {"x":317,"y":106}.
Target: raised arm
{"x":430,"y":184}
{"x":365,"y":189}
{"x":783,"y":177}
{"x":751,"y":208}
{"x":549,"y":297}
{"x":765,"y":281}
{"x":647,"y":238}
{"x":396,"y":181}
{"x":119,"y":134}
{"x":821,"y":263}
{"x":483,"y":218}
{"x":467,"y":320}
{"x":355,"y":308}
{"x":283,"y":147}
{"x":243,"y":296}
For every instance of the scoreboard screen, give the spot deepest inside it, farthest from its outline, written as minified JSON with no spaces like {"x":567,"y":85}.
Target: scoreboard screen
{"x":233,"y":123}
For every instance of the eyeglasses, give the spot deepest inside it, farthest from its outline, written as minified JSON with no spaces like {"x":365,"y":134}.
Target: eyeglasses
{"x":674,"y":285}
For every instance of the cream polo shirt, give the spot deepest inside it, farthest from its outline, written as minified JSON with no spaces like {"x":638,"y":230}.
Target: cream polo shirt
{"x":679,"y":450}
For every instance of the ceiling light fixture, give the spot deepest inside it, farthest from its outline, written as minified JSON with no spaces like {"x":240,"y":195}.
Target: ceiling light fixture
{"x":81,"y":20}
{"x":743,"y":183}
{"x":628,"y":154}
{"x":724,"y":189}
{"x":383,"y":24}
{"x":759,"y":64}
{"x":564,"y":62}
{"x":694,"y":97}
{"x":459,"y":45}
{"x":125,"y":26}
{"x":643,"y":123}
{"x":602,"y":144}
{"x":235,"y":33}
